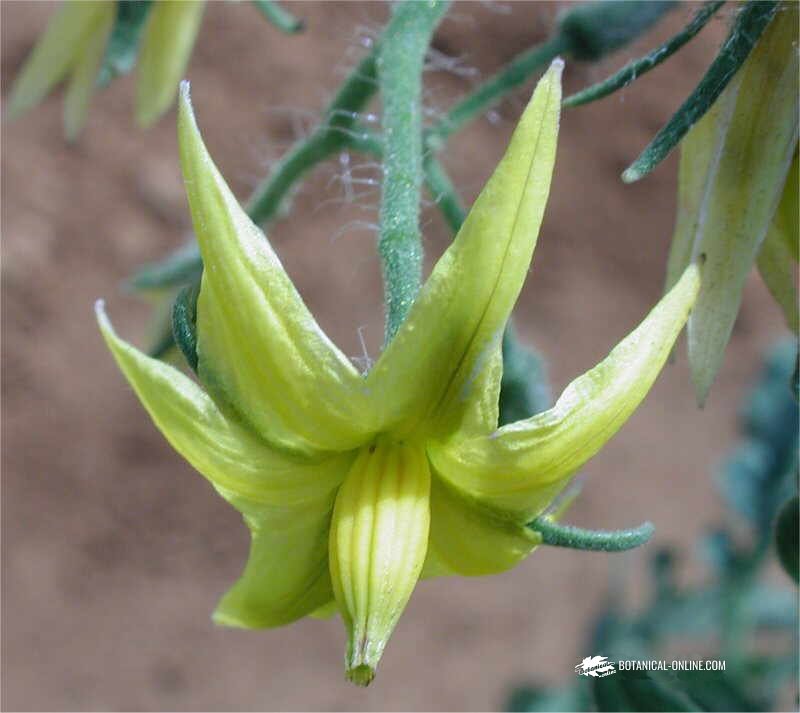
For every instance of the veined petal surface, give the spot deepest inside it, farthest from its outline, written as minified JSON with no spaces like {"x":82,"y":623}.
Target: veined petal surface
{"x":242,"y":467}
{"x":169,"y":37}
{"x":287,"y":575}
{"x":521,"y":467}
{"x":777,"y":258}
{"x":378,"y":540}
{"x":426,"y":376}
{"x":258,"y":346}
{"x":743,"y":187}
{"x":55,"y":53}
{"x":471,"y":539}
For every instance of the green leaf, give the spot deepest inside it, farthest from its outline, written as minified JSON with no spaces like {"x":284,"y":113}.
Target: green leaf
{"x":591,"y":30}
{"x":641,"y":691}
{"x":635,"y":69}
{"x":750,"y":22}
{"x":787,"y":540}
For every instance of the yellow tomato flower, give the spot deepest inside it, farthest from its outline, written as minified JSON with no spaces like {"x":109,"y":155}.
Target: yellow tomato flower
{"x":354,"y":486}
{"x":73,"y":46}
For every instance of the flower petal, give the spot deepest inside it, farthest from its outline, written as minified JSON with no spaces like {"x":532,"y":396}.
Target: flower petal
{"x":471,"y":539}
{"x":55,"y":52}
{"x":258,"y":346}
{"x":287,"y":575}
{"x":378,"y":541}
{"x":84,"y":72}
{"x":169,"y":37}
{"x":427,"y":372}
{"x":521,"y":467}
{"x":242,"y":467}
{"x":777,"y":259}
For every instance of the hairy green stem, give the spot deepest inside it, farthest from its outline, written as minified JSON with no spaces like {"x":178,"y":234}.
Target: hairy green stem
{"x":577,"y":538}
{"x":328,"y":138}
{"x":636,"y":68}
{"x":401,"y":58}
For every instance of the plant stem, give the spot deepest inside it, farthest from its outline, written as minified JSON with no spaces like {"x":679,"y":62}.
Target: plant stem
{"x":577,"y":538}
{"x":328,"y":138}
{"x":280,"y":17}
{"x":486,"y":95}
{"x":443,"y":192}
{"x":334,"y":133}
{"x":400,"y":63}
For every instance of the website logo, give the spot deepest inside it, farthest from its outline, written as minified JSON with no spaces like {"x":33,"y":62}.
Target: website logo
{"x":596,"y":666}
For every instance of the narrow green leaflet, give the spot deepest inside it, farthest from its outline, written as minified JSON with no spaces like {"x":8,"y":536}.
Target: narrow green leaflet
{"x":635,"y":69}
{"x":753,"y":17}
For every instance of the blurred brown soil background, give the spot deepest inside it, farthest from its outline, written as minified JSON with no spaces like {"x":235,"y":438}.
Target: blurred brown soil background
{"x":115,"y":552}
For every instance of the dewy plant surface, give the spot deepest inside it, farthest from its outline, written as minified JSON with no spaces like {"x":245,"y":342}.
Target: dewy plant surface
{"x":354,"y":486}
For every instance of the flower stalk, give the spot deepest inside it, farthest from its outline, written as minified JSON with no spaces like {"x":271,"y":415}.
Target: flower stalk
{"x":400,"y":62}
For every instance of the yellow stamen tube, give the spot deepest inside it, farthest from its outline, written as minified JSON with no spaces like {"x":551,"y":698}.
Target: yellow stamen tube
{"x":378,"y":542}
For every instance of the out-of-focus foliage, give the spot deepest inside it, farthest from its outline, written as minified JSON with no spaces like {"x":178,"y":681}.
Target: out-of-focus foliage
{"x":737,"y":605}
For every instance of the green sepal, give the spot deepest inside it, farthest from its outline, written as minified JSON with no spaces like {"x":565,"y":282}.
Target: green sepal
{"x":184,"y":323}
{"x":179,"y":268}
{"x":123,"y":45}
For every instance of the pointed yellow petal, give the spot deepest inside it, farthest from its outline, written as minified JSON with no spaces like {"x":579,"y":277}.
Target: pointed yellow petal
{"x":471,"y":539}
{"x":259,"y":347}
{"x":378,"y":540}
{"x":287,"y":575}
{"x":743,"y":187}
{"x":428,"y":371}
{"x":521,"y":467}
{"x":243,"y":469}
{"x":55,"y":53}
{"x":84,"y":72}
{"x":169,"y":37}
